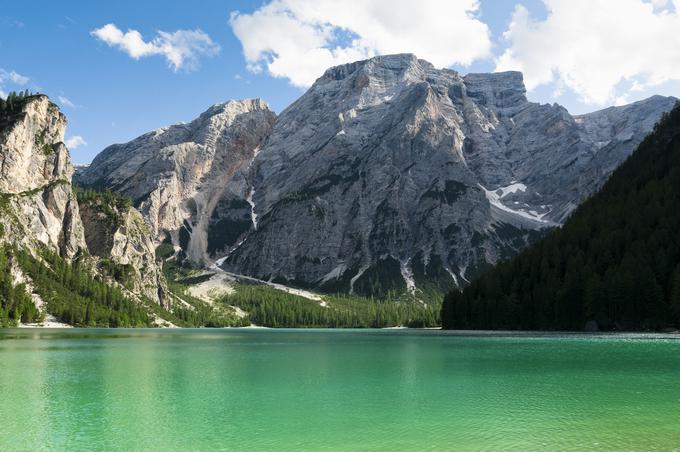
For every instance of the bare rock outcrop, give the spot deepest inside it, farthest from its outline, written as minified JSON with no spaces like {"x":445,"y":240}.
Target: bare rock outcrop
{"x":38,"y":204}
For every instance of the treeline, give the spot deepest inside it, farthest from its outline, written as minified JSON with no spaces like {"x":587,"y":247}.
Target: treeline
{"x":267,"y":306}
{"x":113,"y":205}
{"x":73,"y":296}
{"x":16,"y":304}
{"x":614,"y":265}
{"x":13,"y":103}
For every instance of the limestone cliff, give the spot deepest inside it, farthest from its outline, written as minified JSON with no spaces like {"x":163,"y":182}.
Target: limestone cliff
{"x":38,"y":204}
{"x":117,"y":234}
{"x":387,"y":174}
{"x":180,"y":176}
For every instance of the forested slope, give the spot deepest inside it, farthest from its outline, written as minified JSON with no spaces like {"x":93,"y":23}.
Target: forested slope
{"x":616,"y":261}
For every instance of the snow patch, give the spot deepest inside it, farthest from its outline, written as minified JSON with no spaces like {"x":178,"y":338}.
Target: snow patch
{"x":461,"y":272}
{"x":495,"y":200}
{"x":453,"y":275}
{"x":249,"y":200}
{"x":514,"y":187}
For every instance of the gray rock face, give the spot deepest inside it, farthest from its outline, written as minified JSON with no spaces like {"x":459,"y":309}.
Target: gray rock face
{"x":122,"y":237}
{"x":179,"y":176}
{"x":38,"y":204}
{"x":389,"y":173}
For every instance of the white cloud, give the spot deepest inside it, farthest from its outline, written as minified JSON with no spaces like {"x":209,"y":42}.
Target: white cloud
{"x":299,"y":39}
{"x":599,"y":49}
{"x":11,"y":77}
{"x":181,"y":48}
{"x":66,"y":102}
{"x":75,"y":141}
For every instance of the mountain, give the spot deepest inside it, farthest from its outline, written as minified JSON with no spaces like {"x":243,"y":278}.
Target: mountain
{"x":38,"y":205}
{"x":63,"y":258}
{"x":387,"y":175}
{"x":180,"y":176}
{"x":615,"y":264}
{"x":116,"y":233}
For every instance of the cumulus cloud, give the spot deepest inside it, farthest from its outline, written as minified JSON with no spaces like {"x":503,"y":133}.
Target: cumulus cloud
{"x":75,"y":141}
{"x":599,"y":49}
{"x":299,"y":39}
{"x":181,"y":48}
{"x":12,"y":78}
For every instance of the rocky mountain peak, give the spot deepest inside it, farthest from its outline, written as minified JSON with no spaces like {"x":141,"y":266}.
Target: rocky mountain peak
{"x":232,"y":108}
{"x":35,"y":179}
{"x":179,"y":174}
{"x":401,"y":65}
{"x":386,"y":174}
{"x":389,"y":172}
{"x":497,"y":89}
{"x":32,"y":152}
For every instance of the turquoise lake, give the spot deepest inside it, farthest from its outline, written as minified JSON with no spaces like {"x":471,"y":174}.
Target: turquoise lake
{"x":316,"y":390}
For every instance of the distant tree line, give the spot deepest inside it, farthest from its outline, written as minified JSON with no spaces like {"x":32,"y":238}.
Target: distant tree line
{"x":615,"y":263}
{"x":267,"y":306}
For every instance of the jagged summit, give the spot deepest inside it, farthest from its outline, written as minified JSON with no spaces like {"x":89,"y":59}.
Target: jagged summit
{"x":233,"y":108}
{"x":397,"y":63}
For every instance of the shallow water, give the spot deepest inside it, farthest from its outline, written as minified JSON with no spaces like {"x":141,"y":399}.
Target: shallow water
{"x":336,"y":390}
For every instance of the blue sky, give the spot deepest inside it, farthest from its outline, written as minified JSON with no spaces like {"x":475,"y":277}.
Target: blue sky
{"x":110,"y":96}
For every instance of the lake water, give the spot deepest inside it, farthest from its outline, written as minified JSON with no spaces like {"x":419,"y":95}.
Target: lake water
{"x":335,"y":390}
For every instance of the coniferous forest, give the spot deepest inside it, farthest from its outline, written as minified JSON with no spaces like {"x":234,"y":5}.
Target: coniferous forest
{"x":614,"y":265}
{"x":75,"y":297}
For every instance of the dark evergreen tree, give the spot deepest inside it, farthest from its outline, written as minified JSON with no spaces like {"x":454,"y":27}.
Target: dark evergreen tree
{"x":616,"y":261}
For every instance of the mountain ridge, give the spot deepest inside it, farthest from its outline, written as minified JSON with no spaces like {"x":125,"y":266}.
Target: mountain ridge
{"x":386,"y":175}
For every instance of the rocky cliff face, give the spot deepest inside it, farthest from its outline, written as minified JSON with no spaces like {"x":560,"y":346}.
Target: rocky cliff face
{"x":39,"y":207}
{"x":387,"y":174}
{"x":120,"y":237}
{"x":190,"y":179}
{"x":35,"y":180}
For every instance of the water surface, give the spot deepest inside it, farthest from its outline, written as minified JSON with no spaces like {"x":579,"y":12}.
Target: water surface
{"x":335,"y":390}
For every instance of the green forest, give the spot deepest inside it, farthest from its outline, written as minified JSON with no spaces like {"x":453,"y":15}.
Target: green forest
{"x":614,"y":265}
{"x":12,"y":105}
{"x":70,"y":292}
{"x":267,"y":306}
{"x":108,"y":202}
{"x":16,"y":304}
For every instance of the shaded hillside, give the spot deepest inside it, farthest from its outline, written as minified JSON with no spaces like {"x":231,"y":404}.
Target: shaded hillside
{"x":616,"y":261}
